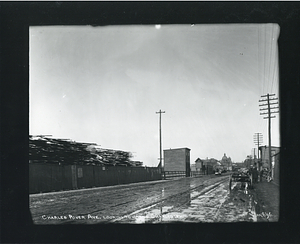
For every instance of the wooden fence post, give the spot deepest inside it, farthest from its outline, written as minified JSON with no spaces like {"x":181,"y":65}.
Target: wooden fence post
{"x":74,"y":176}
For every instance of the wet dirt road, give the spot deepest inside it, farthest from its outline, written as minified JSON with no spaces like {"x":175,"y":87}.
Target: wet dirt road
{"x":201,"y":199}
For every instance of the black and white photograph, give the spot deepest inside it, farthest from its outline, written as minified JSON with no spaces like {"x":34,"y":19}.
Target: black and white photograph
{"x":154,"y":123}
{"x":149,"y":122}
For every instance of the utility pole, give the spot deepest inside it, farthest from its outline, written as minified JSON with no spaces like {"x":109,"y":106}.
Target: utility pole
{"x":253,"y":152}
{"x":258,"y":140}
{"x":269,"y":117}
{"x":254,"y":157}
{"x":160,"y":144}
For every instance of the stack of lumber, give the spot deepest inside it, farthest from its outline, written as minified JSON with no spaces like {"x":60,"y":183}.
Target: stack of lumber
{"x":112,"y":157}
{"x":136,"y":163}
{"x":44,"y":149}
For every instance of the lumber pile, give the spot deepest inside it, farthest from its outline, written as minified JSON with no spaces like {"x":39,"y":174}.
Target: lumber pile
{"x":44,"y":149}
{"x":136,"y":163}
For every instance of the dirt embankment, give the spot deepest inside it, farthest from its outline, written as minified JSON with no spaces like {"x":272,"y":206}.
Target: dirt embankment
{"x":266,"y":201}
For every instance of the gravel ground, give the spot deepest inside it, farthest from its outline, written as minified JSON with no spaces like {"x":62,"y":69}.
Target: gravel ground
{"x":103,"y":204}
{"x":202,"y":199}
{"x":266,"y":197}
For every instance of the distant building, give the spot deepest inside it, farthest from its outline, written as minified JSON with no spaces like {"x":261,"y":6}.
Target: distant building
{"x":264,"y":152}
{"x":226,"y":162}
{"x":275,"y":158}
{"x":199,"y":164}
{"x":238,"y":165}
{"x":249,"y":161}
{"x":177,"y":160}
{"x":193,"y":167}
{"x":210,"y":165}
{"x":212,"y":162}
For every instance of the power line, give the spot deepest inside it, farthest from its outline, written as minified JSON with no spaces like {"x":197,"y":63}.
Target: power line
{"x":264,"y":58}
{"x":275,"y":71}
{"x":270,"y":60}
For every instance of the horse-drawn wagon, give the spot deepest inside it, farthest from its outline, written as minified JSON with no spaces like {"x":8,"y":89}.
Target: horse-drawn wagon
{"x":242,"y":176}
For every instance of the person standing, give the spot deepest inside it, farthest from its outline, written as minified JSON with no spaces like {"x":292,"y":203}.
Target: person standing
{"x":261,"y":175}
{"x":254,"y":174}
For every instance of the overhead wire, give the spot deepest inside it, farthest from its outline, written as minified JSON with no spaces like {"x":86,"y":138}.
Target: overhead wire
{"x":271,"y":60}
{"x":264,"y":63}
{"x":271,"y":70}
{"x":263,"y":124}
{"x":260,"y":63}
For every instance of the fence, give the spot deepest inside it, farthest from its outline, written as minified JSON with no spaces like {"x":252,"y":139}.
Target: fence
{"x":50,"y":177}
{"x":197,"y":173}
{"x":181,"y":174}
{"x":173,"y":174}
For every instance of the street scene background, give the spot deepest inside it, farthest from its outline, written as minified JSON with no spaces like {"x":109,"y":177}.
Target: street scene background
{"x":116,"y":96}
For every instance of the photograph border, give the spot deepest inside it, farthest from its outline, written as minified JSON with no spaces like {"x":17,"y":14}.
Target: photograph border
{"x":17,"y":17}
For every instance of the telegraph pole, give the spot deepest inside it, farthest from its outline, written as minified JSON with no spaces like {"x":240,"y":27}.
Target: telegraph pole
{"x":160,"y":144}
{"x":269,"y":117}
{"x":258,"y":140}
{"x":253,"y":152}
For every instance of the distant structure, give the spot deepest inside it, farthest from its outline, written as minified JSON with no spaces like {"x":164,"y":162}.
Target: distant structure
{"x":199,"y":164}
{"x":275,"y":157}
{"x":193,"y":167}
{"x":206,"y":166}
{"x":226,"y":161}
{"x":177,"y":160}
{"x":264,"y":150}
{"x":210,"y":164}
{"x":238,"y":165}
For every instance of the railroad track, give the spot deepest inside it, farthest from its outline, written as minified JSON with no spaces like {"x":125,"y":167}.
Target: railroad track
{"x":117,"y":201}
{"x":194,"y":193}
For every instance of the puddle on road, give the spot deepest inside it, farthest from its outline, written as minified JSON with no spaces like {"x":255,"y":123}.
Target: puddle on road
{"x":194,"y":194}
{"x":186,"y":207}
{"x":238,"y":206}
{"x":216,"y":205}
{"x":154,"y":215}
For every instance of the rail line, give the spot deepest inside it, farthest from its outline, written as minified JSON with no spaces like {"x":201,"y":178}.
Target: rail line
{"x":159,"y":203}
{"x":118,"y":201}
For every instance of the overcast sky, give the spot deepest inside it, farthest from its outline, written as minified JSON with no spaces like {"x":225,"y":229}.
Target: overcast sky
{"x":105,"y":84}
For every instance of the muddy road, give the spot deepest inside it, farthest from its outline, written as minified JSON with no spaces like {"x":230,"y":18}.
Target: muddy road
{"x":201,"y":199}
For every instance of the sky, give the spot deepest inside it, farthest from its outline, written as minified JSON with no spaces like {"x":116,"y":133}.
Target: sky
{"x":105,"y":84}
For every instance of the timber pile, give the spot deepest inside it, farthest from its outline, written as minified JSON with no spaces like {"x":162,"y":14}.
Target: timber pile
{"x":136,"y":163}
{"x":64,"y":151}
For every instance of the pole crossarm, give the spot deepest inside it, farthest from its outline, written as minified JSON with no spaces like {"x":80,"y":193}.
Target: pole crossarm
{"x":268,"y":95}
{"x":258,"y":139}
{"x":270,"y":117}
{"x":268,"y":109}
